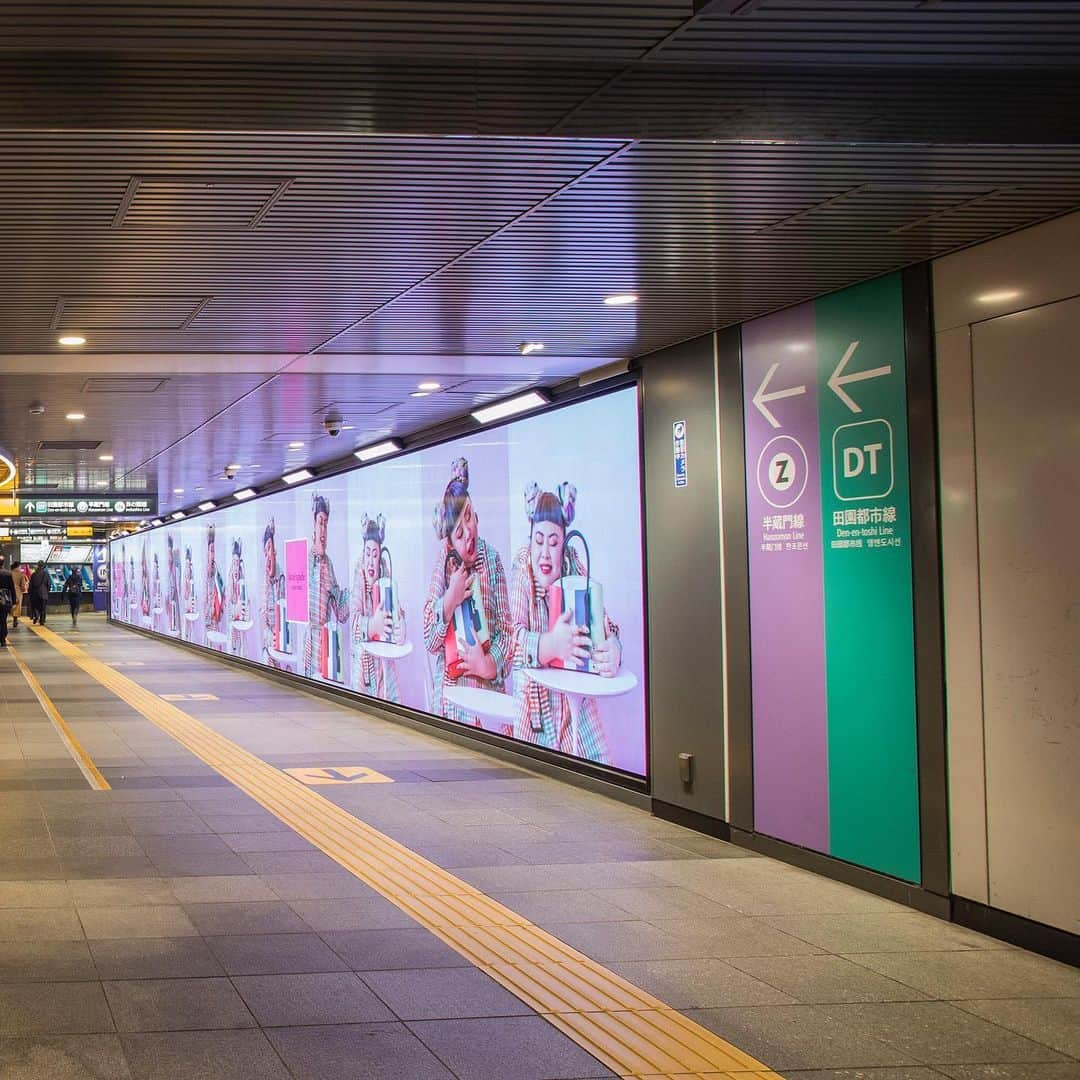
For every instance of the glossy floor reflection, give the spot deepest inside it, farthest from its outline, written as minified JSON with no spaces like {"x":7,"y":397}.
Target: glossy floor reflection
{"x":172,"y":927}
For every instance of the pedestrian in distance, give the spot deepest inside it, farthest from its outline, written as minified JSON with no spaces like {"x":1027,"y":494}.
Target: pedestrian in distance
{"x":7,"y":600}
{"x":73,"y":587}
{"x":39,"y":594}
{"x":22,"y":582}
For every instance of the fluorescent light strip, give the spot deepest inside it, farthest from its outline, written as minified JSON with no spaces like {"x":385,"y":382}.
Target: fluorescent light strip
{"x":296,"y":477}
{"x":208,"y":505}
{"x":178,"y":515}
{"x":244,"y":493}
{"x":534,"y":399}
{"x":157,"y":521}
{"x":378,"y":450}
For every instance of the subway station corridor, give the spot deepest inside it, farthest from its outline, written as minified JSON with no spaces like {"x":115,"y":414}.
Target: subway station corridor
{"x":271,"y":884}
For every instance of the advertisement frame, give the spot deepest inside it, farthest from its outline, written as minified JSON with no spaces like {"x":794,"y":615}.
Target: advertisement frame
{"x":425,"y":440}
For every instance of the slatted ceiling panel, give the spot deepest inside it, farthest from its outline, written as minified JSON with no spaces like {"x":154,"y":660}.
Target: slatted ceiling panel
{"x":1012,"y":32}
{"x":197,"y":202}
{"x":525,"y":28}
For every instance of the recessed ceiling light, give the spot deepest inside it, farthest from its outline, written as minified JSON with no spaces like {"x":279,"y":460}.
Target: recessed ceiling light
{"x":71,"y":339}
{"x":621,"y":299}
{"x":798,"y":346}
{"x":178,"y":515}
{"x":420,"y":393}
{"x":378,"y":450}
{"x":157,"y":521}
{"x":178,"y":491}
{"x":296,"y":445}
{"x":527,"y":347}
{"x":234,"y":467}
{"x":533,"y":399}
{"x":76,"y":416}
{"x":1001,"y":296}
{"x":244,"y":493}
{"x":105,"y":457}
{"x":102,"y":483}
{"x":429,"y":385}
{"x":208,"y":505}
{"x":296,"y":477}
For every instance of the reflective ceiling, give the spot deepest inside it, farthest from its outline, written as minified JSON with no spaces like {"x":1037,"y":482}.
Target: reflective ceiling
{"x":256,"y":213}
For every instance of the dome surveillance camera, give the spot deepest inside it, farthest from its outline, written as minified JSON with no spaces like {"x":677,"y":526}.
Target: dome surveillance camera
{"x":231,"y":471}
{"x":333,"y":424}
{"x":37,"y":409}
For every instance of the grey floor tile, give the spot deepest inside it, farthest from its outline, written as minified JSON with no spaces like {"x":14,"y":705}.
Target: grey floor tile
{"x":270,"y":954}
{"x":387,"y":1051}
{"x":246,"y":917}
{"x":904,"y":1072}
{"x":664,"y":902}
{"x":1055,"y":1022}
{"x":265,"y":841}
{"x":109,"y":866}
{"x":465,"y":853}
{"x":983,"y":974}
{"x":1062,"y":1070}
{"x":546,"y":878}
{"x":611,"y":941}
{"x":63,"y":1057}
{"x":176,"y":1005}
{"x":564,"y":905}
{"x":230,"y":888}
{"x":250,"y":822}
{"x":317,"y":998}
{"x":131,"y":892}
{"x":337,"y":884}
{"x":935,"y":1032}
{"x":53,"y":1009}
{"x":442,"y":994}
{"x":203,"y":1055}
{"x":40,"y":924}
{"x":508,"y":1048}
{"x":45,"y":961}
{"x":359,"y":913}
{"x":154,"y":958}
{"x":34,"y":894}
{"x":38,"y":868}
{"x":200,"y":864}
{"x":787,"y":1037}
{"x":699,"y":984}
{"x":145,"y":921}
{"x":98,"y":847}
{"x":392,"y":950}
{"x":734,"y":935}
{"x":193,"y":844}
{"x":900,"y":932}
{"x":818,"y":980}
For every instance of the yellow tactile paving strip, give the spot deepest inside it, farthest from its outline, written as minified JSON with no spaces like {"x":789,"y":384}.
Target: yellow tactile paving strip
{"x":633,"y":1033}
{"x":67,"y":736}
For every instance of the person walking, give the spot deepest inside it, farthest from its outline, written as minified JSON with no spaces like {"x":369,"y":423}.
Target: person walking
{"x":39,"y":594}
{"x":73,"y":587}
{"x":22,"y":582}
{"x":7,"y":600}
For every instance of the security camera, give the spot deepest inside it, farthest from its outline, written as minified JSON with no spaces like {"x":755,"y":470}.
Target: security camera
{"x":37,"y":409}
{"x":231,"y":471}
{"x":333,"y":423}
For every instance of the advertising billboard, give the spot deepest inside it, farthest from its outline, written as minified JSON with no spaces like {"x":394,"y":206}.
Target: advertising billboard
{"x":494,"y":580}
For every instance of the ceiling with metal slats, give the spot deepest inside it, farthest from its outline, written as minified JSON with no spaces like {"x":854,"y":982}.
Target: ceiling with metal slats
{"x":280,"y":209}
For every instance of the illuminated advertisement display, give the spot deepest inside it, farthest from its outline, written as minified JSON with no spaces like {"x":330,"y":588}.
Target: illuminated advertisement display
{"x":494,"y":580}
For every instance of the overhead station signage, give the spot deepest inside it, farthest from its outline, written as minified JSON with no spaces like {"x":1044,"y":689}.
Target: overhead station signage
{"x":82,"y":504}
{"x":835,"y":761}
{"x":34,"y":531}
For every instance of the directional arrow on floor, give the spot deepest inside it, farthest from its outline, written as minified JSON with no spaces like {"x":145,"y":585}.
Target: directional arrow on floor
{"x":761,"y":399}
{"x":838,"y":380}
{"x":338,"y":774}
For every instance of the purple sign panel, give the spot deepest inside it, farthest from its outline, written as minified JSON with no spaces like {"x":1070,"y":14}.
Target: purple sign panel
{"x":787,"y":606}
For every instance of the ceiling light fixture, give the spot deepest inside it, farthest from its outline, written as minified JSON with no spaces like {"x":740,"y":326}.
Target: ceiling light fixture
{"x":244,"y":493}
{"x":420,"y":393}
{"x":297,"y":445}
{"x":71,"y":339}
{"x":621,"y":299}
{"x":1001,"y":296}
{"x":105,"y":457}
{"x":178,"y":515}
{"x":533,"y":399}
{"x":429,"y":385}
{"x":527,"y":347}
{"x":296,"y":477}
{"x":208,"y":505}
{"x":102,"y":483}
{"x":178,"y":491}
{"x":378,"y":450}
{"x":157,"y":521}
{"x":75,"y":416}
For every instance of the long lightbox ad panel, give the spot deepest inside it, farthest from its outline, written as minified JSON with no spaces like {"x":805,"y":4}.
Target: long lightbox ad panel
{"x":494,"y":580}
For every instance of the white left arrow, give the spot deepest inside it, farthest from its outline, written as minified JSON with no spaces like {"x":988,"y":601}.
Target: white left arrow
{"x":838,"y":380}
{"x":761,"y":399}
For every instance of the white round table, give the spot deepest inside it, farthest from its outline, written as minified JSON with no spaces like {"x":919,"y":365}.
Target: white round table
{"x":386,"y":650}
{"x":489,"y":703}
{"x":578,"y":685}
{"x":242,"y":624}
{"x":157,"y":610}
{"x":281,"y":657}
{"x":216,"y":637}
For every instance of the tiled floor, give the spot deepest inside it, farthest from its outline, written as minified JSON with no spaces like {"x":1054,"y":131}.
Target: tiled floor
{"x":173,"y":928}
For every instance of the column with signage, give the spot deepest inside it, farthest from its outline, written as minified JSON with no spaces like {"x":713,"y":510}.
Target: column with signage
{"x":835,"y":753}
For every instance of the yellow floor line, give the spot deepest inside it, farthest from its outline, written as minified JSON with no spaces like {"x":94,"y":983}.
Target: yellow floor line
{"x":67,"y":736}
{"x":633,"y":1033}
